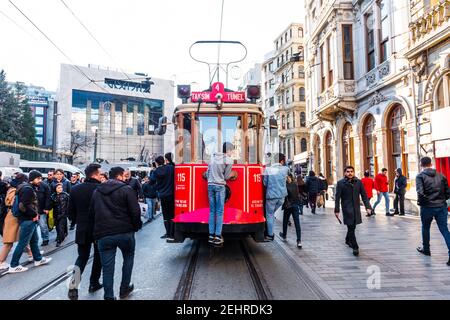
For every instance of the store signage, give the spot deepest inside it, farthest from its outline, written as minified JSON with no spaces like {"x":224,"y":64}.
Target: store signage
{"x":37,"y":100}
{"x":144,"y":86}
{"x":439,"y":124}
{"x":218,"y":89}
{"x":442,"y":149}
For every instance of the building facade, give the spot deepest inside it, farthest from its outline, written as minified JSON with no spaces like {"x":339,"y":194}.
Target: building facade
{"x":360,"y":103}
{"x":290,"y":93}
{"x":429,"y":56}
{"x":113,"y":117}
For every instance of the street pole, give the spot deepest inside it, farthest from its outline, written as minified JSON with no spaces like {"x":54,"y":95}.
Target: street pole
{"x":95,"y":145}
{"x":55,"y":126}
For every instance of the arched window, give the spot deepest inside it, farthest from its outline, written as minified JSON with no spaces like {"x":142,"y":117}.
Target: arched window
{"x":442,"y":98}
{"x":328,"y":157}
{"x":347,"y":146}
{"x":398,"y":154}
{"x":300,"y":32}
{"x":301,"y":94}
{"x":304,"y":145}
{"x":369,"y":143}
{"x":302,"y":119}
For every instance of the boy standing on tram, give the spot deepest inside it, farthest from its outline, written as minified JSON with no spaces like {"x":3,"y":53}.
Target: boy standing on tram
{"x":219,"y":171}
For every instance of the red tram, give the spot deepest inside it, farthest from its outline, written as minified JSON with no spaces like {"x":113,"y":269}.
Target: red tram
{"x":203,"y":123}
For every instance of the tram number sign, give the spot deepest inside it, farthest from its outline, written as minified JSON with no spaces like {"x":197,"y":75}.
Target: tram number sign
{"x":218,"y":88}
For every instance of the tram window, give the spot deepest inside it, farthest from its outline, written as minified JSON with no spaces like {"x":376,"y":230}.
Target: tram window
{"x":187,"y":138}
{"x":207,"y":138}
{"x":252,"y":139}
{"x":232,"y":132}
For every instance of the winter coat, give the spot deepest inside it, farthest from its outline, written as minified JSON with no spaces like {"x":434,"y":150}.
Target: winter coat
{"x":400,"y":183}
{"x":136,"y":186}
{"x":275,"y":181}
{"x":11,"y":225}
{"x":348,"y":193}
{"x":369,"y":185}
{"x":44,"y":197}
{"x":323,"y":184}
{"x":115,"y":209}
{"x":381,"y":183}
{"x":28,"y":202}
{"x":219,"y":169}
{"x":149,"y":188}
{"x":302,"y":190}
{"x":432,"y":189}
{"x":165,"y":183}
{"x":67,"y":186}
{"x":293,"y":197}
{"x":312,"y":185}
{"x":80,"y":200}
{"x":60,"y":205}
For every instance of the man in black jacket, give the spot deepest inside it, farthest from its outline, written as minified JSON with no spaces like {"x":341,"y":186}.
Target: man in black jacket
{"x":432,"y":195}
{"x":45,"y":205}
{"x":164,"y":175}
{"x":117,"y":217}
{"x":134,"y":184}
{"x":150,"y":194}
{"x":348,"y":192}
{"x":400,"y":184}
{"x":313,"y":189}
{"x":80,"y":199}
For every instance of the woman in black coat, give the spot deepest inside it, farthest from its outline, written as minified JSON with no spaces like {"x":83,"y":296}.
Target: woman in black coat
{"x":348,"y":193}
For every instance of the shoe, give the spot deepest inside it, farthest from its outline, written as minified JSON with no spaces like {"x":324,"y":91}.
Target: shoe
{"x":283,"y":237}
{"x":17,"y":269}
{"x":58,"y":244}
{"x":44,"y":243}
{"x":218,"y":241}
{"x":30,"y":259}
{"x":348,"y":243}
{"x":299,"y":244}
{"x":126,"y":292}
{"x":164,"y":236}
{"x":44,"y":260}
{"x":356,"y":252}
{"x":111,"y":298}
{"x":269,"y":238}
{"x":401,"y":214}
{"x":4,"y":266}
{"x":211,"y":239}
{"x":389,"y":214}
{"x":395,"y":213}
{"x":73,"y":294}
{"x":170,"y":240}
{"x":95,"y":287}
{"x":423,"y":251}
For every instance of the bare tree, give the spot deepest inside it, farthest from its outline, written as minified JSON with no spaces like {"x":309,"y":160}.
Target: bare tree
{"x":79,"y":143}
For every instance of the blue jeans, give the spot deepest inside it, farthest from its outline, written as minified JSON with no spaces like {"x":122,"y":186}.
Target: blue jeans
{"x":386,"y":199}
{"x":44,"y":227}
{"x":272,"y":205}
{"x":216,"y":195}
{"x":151,"y":205}
{"x":441,"y":216}
{"x":28,"y":235}
{"x":107,"y":247}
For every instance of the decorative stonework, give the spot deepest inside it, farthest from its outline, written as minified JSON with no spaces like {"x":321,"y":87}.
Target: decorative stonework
{"x":377,"y":99}
{"x":349,"y":87}
{"x":419,"y":67}
{"x":430,"y":20}
{"x":384,"y":69}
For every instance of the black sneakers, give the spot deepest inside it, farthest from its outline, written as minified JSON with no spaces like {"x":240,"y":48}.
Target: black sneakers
{"x":95,"y":287}
{"x":423,"y":251}
{"x":126,"y":292}
{"x":270,"y":238}
{"x":356,"y":252}
{"x":282,"y":236}
{"x":218,"y":241}
{"x":44,"y":243}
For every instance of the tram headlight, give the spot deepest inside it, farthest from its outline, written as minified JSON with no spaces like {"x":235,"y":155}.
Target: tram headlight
{"x":184,"y":92}
{"x":253,"y":92}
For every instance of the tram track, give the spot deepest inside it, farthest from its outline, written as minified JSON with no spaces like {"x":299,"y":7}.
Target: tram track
{"x":53,"y":283}
{"x":188,"y":277}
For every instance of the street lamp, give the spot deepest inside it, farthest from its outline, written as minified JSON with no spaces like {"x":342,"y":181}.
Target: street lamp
{"x":95,"y":131}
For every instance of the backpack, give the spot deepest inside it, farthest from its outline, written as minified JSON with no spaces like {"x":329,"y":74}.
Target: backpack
{"x":15,"y":207}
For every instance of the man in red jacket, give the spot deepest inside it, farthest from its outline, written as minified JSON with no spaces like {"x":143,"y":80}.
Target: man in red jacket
{"x":369,"y":185}
{"x":382,"y":187}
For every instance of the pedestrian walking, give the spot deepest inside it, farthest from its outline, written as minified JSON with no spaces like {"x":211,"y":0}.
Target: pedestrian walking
{"x":117,"y":216}
{"x":50,"y":177}
{"x":75,"y":179}
{"x":164,"y":175}
{"x":369,"y":185}
{"x":103,"y":177}
{"x":382,"y":187}
{"x":400,"y":185}
{"x":134,"y":184}
{"x":3,"y":210}
{"x":312,"y":186}
{"x":275,"y":182}
{"x":60,"y":201}
{"x":432,"y":194}
{"x":219,"y":171}
{"x":80,"y":200}
{"x":27,"y":212}
{"x":150,"y":194}
{"x":60,"y":177}
{"x":11,"y":224}
{"x":45,"y":205}
{"x":349,"y":190}
{"x":292,"y":206}
{"x":302,"y":192}
{"x":323,"y":191}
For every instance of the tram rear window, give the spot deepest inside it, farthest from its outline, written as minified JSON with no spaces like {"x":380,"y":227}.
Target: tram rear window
{"x":232,"y":131}
{"x":207,"y":138}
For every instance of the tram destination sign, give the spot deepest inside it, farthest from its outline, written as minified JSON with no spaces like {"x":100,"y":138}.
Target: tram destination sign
{"x":218,"y":88}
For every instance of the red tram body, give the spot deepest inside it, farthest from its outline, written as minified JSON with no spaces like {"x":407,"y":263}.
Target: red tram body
{"x":200,"y":130}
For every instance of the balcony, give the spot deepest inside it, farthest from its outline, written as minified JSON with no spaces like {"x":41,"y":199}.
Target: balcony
{"x":373,"y":77}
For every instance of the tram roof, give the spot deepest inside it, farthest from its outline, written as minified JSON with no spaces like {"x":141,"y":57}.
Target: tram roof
{"x":226,"y":108}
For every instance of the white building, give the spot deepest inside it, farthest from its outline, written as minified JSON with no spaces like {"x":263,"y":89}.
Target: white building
{"x":111,"y":115}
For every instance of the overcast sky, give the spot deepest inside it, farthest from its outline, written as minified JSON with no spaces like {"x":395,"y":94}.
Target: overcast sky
{"x":150,"y":36}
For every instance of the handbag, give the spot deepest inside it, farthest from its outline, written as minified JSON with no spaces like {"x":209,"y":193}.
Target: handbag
{"x":320,"y":201}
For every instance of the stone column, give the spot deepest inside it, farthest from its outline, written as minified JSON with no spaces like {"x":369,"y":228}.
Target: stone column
{"x":124,"y":119}
{"x":135,"y":120}
{"x":146,"y":119}
{"x":113,"y":119}
{"x":88,"y":117}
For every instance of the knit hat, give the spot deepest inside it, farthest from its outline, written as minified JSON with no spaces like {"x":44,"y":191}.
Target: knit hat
{"x":33,"y":175}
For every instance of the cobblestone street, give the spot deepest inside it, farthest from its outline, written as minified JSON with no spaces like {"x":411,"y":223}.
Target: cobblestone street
{"x":387,"y":243}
